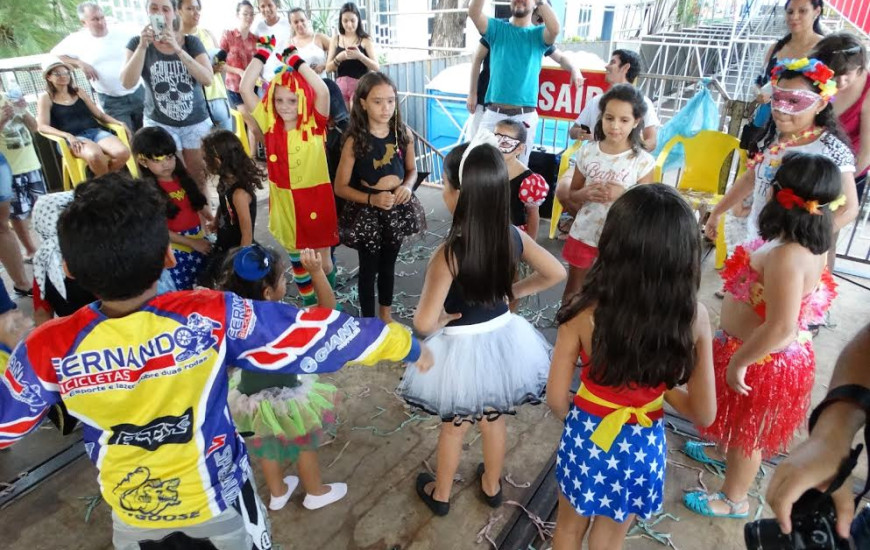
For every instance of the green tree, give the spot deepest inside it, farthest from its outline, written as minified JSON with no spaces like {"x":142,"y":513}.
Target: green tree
{"x":29,"y":27}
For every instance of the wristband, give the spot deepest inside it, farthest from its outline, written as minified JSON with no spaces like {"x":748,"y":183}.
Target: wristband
{"x":262,"y":54}
{"x":295,"y":61}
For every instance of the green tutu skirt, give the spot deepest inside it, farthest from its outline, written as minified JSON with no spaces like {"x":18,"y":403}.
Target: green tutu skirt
{"x":280,"y":422}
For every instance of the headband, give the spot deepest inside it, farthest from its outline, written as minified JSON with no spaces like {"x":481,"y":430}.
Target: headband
{"x":787,"y":198}
{"x":821,"y":75}
{"x":483,"y":137}
{"x":252,"y":263}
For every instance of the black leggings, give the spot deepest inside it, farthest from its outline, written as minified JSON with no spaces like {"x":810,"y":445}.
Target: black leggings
{"x":381,"y":266}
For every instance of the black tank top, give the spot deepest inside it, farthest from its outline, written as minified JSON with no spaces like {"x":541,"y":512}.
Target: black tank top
{"x":74,"y":119}
{"x":229,"y":234}
{"x":384,"y":159}
{"x":353,"y":68}
{"x":474,"y":314}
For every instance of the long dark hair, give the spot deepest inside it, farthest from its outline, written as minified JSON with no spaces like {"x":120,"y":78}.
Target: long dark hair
{"x":643,"y":287}
{"x":632,"y":96}
{"x":817,"y":26}
{"x":825,"y":119}
{"x":841,"y":52}
{"x":478,"y":247}
{"x":350,"y":7}
{"x":153,"y":141}
{"x":359,"y":120}
{"x":811,"y":178}
{"x":451,"y":165}
{"x":225,"y":157}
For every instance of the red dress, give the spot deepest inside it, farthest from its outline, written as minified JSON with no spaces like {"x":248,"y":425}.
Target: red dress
{"x":781,"y":383}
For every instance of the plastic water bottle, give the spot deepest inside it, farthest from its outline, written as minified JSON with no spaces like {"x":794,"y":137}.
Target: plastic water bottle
{"x":14,"y":95}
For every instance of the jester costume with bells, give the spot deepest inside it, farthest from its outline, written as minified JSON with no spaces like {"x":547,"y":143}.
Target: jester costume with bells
{"x":301,"y":202}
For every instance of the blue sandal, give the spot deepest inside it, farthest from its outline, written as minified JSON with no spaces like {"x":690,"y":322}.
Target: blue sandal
{"x":695,"y":451}
{"x":699,"y":502}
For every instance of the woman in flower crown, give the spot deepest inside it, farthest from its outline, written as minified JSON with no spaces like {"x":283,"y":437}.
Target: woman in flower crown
{"x":764,"y":364}
{"x":292,"y":116}
{"x":805,"y":122}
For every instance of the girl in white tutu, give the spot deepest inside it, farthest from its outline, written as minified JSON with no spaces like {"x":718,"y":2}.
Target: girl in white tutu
{"x":487,"y":360}
{"x":283,"y":417}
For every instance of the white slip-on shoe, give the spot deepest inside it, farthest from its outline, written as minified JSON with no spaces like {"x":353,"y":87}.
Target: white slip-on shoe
{"x":337,"y":491}
{"x":276,"y":503}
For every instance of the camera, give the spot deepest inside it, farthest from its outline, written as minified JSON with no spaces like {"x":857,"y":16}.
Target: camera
{"x":813,"y":520}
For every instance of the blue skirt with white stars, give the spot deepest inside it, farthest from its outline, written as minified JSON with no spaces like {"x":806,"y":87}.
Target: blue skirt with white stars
{"x":629,"y":479}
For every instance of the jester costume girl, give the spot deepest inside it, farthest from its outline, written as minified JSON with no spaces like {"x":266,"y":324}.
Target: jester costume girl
{"x":781,"y":383}
{"x":301,"y":202}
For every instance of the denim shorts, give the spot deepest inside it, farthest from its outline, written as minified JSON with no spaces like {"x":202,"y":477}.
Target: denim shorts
{"x":95,"y":134}
{"x":185,"y":137}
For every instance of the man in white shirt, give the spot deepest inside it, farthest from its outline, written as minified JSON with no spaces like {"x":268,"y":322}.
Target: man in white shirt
{"x":270,"y":23}
{"x":623,"y":68}
{"x":98,"y":51}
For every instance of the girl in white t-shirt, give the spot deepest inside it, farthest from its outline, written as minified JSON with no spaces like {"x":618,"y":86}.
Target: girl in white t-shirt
{"x":604,"y":170}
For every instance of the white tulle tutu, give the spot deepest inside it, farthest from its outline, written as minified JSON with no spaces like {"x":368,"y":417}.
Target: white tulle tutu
{"x":482,"y":370}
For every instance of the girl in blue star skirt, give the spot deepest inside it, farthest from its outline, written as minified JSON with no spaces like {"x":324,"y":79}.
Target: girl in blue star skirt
{"x":641,"y":334}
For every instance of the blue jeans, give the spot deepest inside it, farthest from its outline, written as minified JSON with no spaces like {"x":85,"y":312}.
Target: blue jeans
{"x":861,"y":528}
{"x":126,"y":108}
{"x":219,"y":109}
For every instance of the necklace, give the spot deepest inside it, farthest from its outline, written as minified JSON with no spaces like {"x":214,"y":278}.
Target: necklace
{"x":776,"y":148}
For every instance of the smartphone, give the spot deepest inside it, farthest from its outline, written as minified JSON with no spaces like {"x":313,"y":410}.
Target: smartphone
{"x":585,"y":128}
{"x":158,"y":24}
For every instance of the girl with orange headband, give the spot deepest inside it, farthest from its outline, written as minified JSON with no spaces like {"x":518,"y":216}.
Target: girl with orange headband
{"x":763,"y":354}
{"x":292,"y":116}
{"x":641,"y":333}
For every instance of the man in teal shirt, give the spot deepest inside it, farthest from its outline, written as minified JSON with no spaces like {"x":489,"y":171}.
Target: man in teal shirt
{"x":516,"y":49}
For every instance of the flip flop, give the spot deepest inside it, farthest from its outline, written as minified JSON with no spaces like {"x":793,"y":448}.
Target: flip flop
{"x":695,"y":451}
{"x":699,"y":502}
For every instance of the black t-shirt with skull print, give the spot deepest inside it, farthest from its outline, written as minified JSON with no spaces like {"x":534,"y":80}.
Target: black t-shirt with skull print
{"x":174,"y":97}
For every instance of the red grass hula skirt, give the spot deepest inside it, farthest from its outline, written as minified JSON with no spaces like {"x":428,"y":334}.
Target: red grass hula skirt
{"x":776,"y":407}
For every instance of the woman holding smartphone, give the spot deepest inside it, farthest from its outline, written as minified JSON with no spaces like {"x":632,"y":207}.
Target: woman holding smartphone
{"x":351,"y":52}
{"x":175,"y":67}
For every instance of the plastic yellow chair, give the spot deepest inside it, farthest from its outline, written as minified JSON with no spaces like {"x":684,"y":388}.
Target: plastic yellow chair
{"x":75,"y":169}
{"x":705,"y":154}
{"x":241,"y":130}
{"x":563,"y":167}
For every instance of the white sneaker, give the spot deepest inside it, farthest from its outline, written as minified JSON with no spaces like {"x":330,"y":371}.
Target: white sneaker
{"x":276,"y":503}
{"x":337,"y":491}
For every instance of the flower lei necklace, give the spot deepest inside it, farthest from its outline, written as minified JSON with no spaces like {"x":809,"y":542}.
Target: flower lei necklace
{"x":776,"y":148}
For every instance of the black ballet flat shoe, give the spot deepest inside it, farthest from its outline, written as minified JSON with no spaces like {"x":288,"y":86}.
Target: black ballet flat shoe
{"x":438,"y":507}
{"x":493,"y":501}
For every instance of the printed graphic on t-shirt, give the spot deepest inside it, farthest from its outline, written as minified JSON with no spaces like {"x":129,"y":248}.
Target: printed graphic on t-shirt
{"x":387,"y":158}
{"x":173,"y":88}
{"x":15,"y":134}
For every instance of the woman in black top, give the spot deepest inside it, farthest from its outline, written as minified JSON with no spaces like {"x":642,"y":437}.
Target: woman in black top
{"x":376,"y":176}
{"x":351,"y":52}
{"x":67,"y":112}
